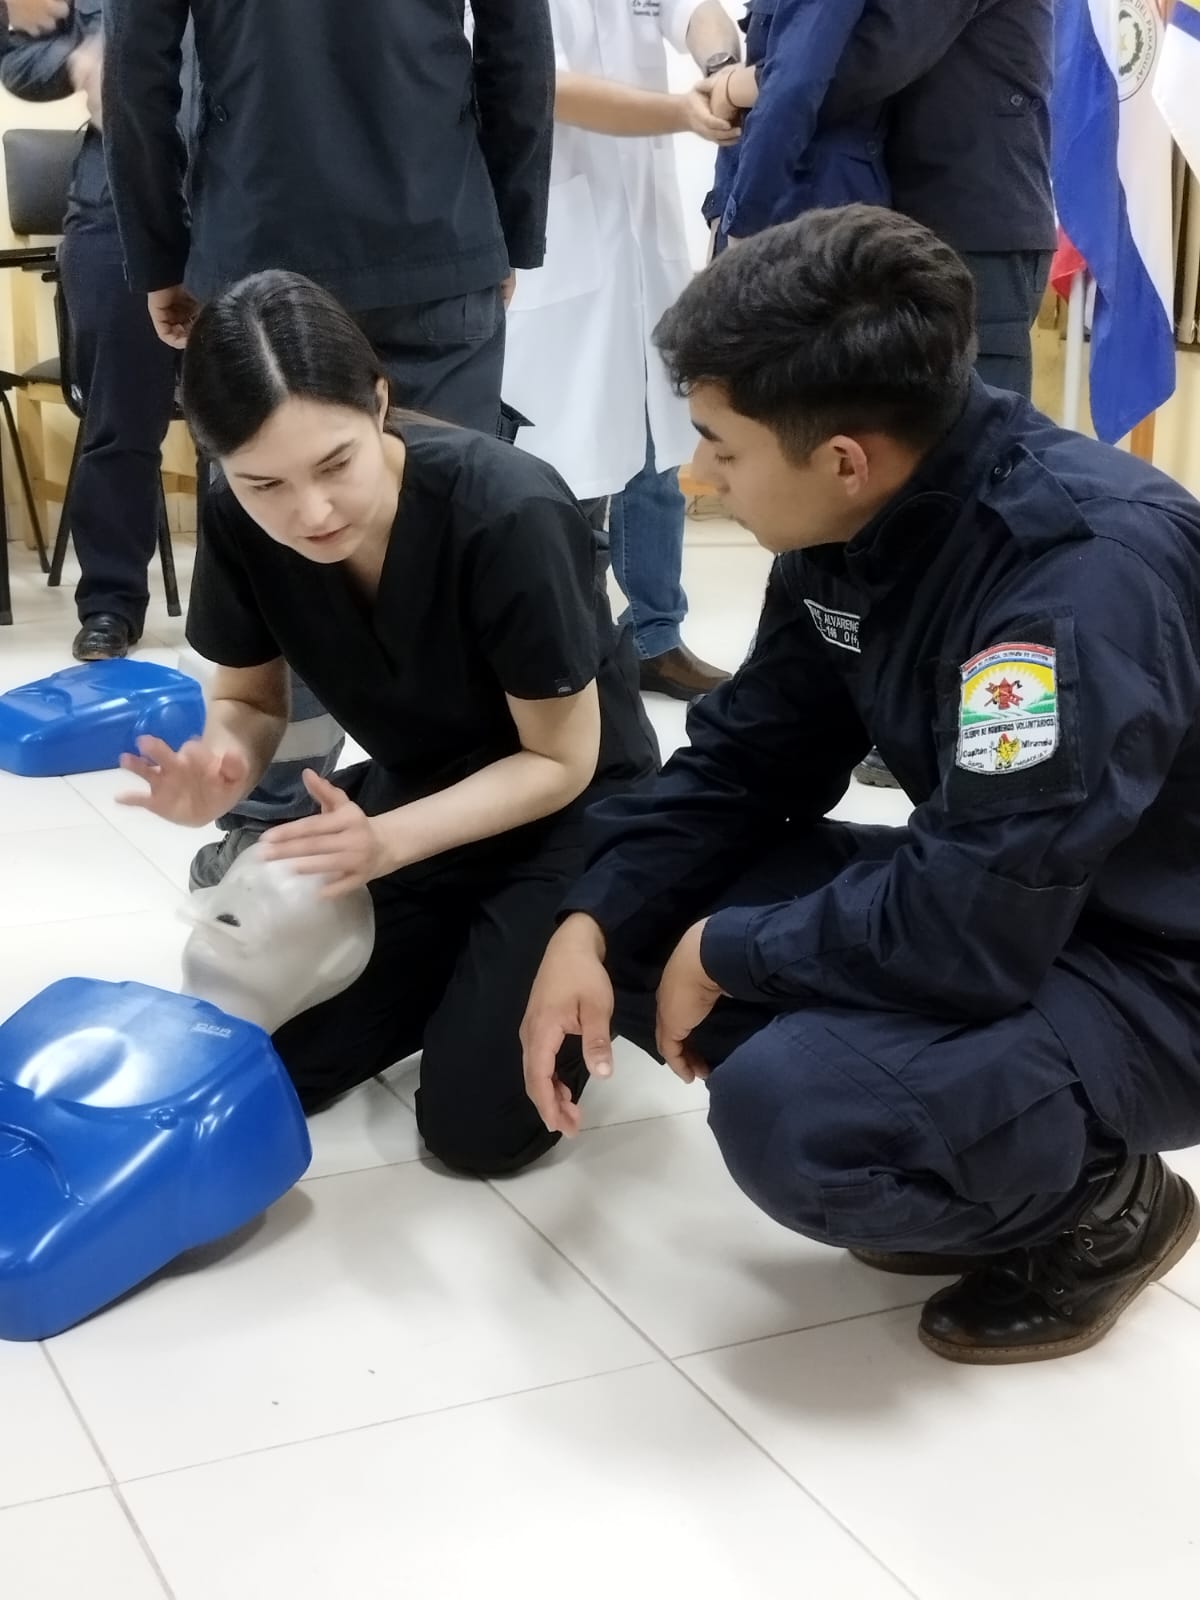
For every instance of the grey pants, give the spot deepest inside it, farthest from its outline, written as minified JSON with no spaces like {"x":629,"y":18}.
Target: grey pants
{"x":447,"y":358}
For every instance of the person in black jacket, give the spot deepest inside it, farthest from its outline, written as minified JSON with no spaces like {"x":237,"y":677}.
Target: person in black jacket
{"x":967,"y":84}
{"x":390,"y":159}
{"x":959,"y":1046}
{"x":400,"y":165}
{"x":124,"y":375}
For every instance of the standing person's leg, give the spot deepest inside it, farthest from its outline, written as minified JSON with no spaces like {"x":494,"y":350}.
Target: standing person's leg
{"x":646,"y":529}
{"x":126,"y":379}
{"x":446,"y":358}
{"x":1009,"y":286}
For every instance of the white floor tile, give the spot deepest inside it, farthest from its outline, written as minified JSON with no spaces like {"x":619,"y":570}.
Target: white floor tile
{"x":28,"y":805}
{"x":887,"y":808}
{"x":77,"y":1549}
{"x":1064,"y":1480}
{"x":639,"y":1089}
{"x":1185,"y":1279}
{"x":166,"y":845}
{"x":43,"y":1450}
{"x":62,"y":873}
{"x":361,"y":1298}
{"x":651,"y":1217}
{"x":367,"y":1128}
{"x":629,"y":1484}
{"x":142,"y":947}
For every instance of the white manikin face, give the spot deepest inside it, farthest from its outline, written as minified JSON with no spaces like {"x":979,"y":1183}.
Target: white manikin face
{"x":265,"y":946}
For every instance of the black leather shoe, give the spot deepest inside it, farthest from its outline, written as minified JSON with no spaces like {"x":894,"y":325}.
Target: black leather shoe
{"x":874,"y":771}
{"x":913,"y":1264}
{"x":680,"y":675}
{"x":103,"y":637}
{"x":1054,"y":1299}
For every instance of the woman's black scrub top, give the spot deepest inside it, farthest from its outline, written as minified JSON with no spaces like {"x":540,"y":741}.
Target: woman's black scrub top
{"x":493,"y":584}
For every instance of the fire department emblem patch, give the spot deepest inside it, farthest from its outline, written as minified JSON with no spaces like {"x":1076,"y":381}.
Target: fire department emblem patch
{"x":1008,"y":713}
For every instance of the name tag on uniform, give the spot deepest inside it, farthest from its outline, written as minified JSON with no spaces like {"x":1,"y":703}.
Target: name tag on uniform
{"x":836,"y":627}
{"x":1008,"y":713}
{"x":647,"y":8}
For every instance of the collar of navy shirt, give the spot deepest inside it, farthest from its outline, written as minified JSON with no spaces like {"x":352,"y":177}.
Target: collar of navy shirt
{"x":979,"y":452}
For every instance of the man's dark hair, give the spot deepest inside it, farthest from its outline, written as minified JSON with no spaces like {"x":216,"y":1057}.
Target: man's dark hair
{"x":856,"y":320}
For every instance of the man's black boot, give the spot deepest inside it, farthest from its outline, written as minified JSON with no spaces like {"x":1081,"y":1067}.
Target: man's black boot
{"x":1056,"y":1298}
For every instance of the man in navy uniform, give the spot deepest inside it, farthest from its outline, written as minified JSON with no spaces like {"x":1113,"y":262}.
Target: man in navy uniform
{"x":958,"y":1046}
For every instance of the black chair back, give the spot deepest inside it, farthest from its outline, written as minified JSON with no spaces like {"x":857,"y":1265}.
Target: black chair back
{"x":38,"y":163}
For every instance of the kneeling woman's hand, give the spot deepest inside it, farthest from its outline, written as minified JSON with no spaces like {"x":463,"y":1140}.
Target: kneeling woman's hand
{"x":342,"y":843}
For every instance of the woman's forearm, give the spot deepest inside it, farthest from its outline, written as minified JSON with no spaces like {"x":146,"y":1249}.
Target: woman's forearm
{"x":602,"y":106}
{"x":250,"y":731}
{"x":510,"y":793}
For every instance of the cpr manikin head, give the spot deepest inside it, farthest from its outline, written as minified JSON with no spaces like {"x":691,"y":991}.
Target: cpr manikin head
{"x":265,"y":946}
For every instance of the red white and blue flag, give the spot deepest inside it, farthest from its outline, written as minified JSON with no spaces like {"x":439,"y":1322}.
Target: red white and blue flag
{"x":1177,"y":82}
{"x":1112,"y":183}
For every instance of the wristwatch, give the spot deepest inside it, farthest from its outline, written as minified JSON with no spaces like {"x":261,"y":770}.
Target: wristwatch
{"x":718,"y":63}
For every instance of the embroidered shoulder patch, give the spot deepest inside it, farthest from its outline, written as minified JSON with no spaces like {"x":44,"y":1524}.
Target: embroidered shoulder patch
{"x":1008,"y":712}
{"x":837,"y":627}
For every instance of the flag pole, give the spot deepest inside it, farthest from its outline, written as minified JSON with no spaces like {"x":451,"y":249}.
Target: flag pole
{"x":1141,"y":440}
{"x":1073,"y":376}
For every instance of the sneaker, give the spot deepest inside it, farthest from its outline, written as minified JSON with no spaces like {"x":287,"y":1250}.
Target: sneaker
{"x":874,"y":771}
{"x":212,"y":861}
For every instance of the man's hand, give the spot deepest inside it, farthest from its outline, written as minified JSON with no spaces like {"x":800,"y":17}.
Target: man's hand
{"x":701,"y":115}
{"x":173,"y":312}
{"x":86,"y":68}
{"x":572,"y":995}
{"x":508,"y":288}
{"x":341,"y":843}
{"x":192,"y":786}
{"x":37,"y":16}
{"x":686,"y":995}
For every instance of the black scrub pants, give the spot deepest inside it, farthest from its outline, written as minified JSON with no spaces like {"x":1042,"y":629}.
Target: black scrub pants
{"x":1009,"y":285}
{"x":894,"y":1131}
{"x":126,"y":377}
{"x":458,"y":943}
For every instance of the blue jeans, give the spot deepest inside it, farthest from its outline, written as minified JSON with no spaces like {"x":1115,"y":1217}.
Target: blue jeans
{"x":645,"y":532}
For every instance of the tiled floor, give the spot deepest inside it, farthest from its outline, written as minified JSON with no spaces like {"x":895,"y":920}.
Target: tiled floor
{"x":610,"y":1375}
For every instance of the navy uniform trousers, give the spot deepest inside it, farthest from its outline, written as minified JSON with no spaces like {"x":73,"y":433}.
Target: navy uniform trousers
{"x":889,"y":1130}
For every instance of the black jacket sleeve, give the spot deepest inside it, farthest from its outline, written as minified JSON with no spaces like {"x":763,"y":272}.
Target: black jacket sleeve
{"x":895,"y":43}
{"x":775,"y":745}
{"x":514,"y":98}
{"x":146,"y":151}
{"x":968,"y":916}
{"x":36,"y":68}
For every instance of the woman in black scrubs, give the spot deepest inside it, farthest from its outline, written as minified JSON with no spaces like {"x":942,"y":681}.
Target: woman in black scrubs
{"x":445,"y":598}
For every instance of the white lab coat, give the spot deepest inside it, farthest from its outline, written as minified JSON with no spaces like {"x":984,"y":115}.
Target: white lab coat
{"x":580,"y":363}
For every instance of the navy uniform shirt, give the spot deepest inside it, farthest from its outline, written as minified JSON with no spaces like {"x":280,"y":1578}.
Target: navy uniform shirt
{"x":1019,"y":633}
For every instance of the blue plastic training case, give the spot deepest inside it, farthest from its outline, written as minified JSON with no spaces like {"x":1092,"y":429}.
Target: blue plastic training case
{"x":134,"y":1125}
{"x":83,"y":718}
